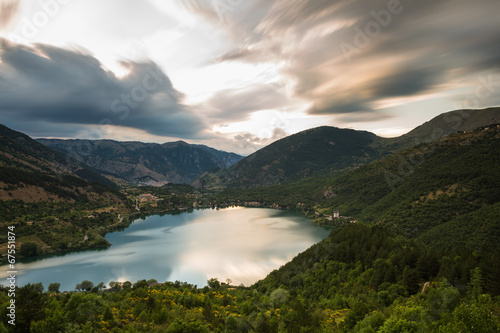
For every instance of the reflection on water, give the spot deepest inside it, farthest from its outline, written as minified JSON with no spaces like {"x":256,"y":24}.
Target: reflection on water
{"x":243,"y":244}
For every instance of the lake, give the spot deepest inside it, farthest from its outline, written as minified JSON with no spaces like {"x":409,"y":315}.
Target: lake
{"x":242,"y":244}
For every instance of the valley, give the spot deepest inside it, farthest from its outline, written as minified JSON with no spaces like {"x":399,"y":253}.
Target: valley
{"x":413,"y":226}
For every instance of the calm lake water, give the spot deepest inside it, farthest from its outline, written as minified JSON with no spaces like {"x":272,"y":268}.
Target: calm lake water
{"x":243,"y":244}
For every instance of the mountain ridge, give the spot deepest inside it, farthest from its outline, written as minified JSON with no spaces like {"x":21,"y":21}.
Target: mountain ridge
{"x":32,"y":172}
{"x":299,"y":155}
{"x":145,"y":163}
{"x":308,"y":152}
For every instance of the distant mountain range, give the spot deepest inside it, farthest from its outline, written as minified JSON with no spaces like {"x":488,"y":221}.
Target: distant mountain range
{"x":323,"y":150}
{"x":145,"y":163}
{"x":327,"y":150}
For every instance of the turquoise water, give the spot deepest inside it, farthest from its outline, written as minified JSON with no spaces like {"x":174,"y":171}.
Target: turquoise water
{"x":242,"y":244}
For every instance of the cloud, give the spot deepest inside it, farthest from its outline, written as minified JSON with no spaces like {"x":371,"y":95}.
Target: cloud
{"x":236,"y":17}
{"x":8,"y":11}
{"x":346,"y":56}
{"x":68,"y":88}
{"x":405,"y":81}
{"x":238,"y":104}
{"x":249,"y":143}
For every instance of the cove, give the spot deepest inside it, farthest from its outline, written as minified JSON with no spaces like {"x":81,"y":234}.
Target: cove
{"x":242,"y":244}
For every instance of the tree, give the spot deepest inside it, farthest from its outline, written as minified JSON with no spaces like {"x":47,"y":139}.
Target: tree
{"x":29,"y":249}
{"x":30,"y":305}
{"x":279,"y":296}
{"x":410,"y":280}
{"x":140,"y":284}
{"x":213,"y":283}
{"x":178,"y":326}
{"x":115,"y":286}
{"x":54,"y":287}
{"x":86,"y":285}
{"x":151,"y":281}
{"x":38,"y":287}
{"x":474,"y":315}
{"x":475,"y":287}
{"x":357,"y":313}
{"x":86,"y":309}
{"x":54,"y":322}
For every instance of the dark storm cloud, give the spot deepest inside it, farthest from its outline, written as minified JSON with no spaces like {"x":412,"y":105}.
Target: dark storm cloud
{"x":338,"y":106}
{"x":71,"y":89}
{"x":345,"y":56}
{"x":405,"y":82}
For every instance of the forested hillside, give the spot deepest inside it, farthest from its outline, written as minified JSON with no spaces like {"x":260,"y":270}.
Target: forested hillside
{"x":298,"y":156}
{"x":53,"y":202}
{"x":359,"y":279}
{"x":454,"y":182}
{"x":22,"y":153}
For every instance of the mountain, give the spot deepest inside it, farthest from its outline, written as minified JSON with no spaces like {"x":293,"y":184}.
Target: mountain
{"x":145,"y":163}
{"x":329,"y":149}
{"x":449,"y":123}
{"x":299,"y":156}
{"x":31,"y":172}
{"x":445,"y":193}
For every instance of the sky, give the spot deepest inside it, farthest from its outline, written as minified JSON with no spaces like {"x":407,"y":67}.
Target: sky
{"x":239,"y":74}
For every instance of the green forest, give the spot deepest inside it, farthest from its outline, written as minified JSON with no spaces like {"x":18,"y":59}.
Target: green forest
{"x":359,"y":279}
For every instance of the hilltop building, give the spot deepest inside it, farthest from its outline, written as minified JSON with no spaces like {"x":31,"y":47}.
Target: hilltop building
{"x":146,"y":198}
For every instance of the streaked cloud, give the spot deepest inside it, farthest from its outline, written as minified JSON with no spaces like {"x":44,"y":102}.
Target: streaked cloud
{"x":8,"y":11}
{"x":345,"y":56}
{"x":232,"y":105}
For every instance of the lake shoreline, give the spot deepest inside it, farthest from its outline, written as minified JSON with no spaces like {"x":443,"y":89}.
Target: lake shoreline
{"x":195,"y":229}
{"x":127,"y":219}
